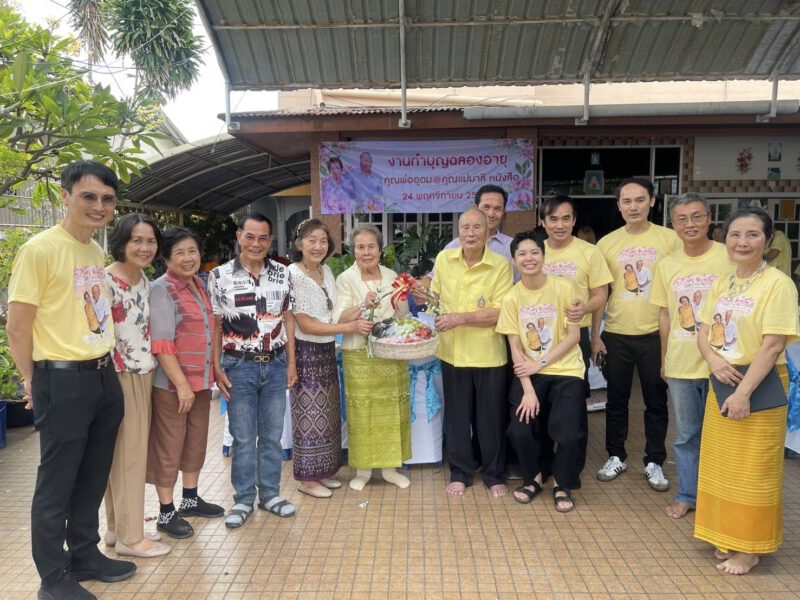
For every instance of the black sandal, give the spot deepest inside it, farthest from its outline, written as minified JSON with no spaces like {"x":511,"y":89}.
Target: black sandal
{"x":567,"y":497}
{"x":530,"y":495}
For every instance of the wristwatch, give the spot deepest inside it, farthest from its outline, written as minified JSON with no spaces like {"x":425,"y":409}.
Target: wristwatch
{"x":543,"y":362}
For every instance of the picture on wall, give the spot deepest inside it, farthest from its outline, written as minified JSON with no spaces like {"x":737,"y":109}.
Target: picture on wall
{"x":594,"y":183}
{"x":774,"y":152}
{"x":773,"y":173}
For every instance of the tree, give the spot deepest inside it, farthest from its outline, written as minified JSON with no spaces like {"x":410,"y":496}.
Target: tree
{"x":156,"y":35}
{"x":50,"y":115}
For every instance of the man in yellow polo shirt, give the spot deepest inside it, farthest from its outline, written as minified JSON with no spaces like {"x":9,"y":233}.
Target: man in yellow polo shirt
{"x":471,"y":282}
{"x":62,"y":353}
{"x":631,"y":337}
{"x":681,"y":284}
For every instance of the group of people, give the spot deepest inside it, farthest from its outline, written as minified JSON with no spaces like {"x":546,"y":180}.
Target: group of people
{"x":360,"y":190}
{"x":128,"y":404}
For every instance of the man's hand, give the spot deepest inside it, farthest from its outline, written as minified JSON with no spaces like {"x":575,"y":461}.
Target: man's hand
{"x":575,"y":310}
{"x":223,"y":383}
{"x":597,"y":346}
{"x":528,"y":408}
{"x":527,"y":368}
{"x":447,"y":322}
{"x":185,"y":399}
{"x":28,"y":395}
{"x":420,"y":290}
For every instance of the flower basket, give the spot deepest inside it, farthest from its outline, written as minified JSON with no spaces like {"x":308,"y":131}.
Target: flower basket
{"x":409,"y":351}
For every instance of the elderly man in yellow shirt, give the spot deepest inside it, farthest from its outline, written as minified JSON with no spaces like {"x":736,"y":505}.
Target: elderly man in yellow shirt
{"x":471,"y":282}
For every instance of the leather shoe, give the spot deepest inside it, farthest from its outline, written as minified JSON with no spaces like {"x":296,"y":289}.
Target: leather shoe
{"x":174,"y":525}
{"x":65,"y":588}
{"x":102,"y":568}
{"x":154,"y":549}
{"x":110,"y":538}
{"x":315,"y":492}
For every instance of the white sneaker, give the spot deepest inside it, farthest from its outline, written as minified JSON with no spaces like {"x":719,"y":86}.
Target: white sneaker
{"x":613,"y":467}
{"x":655,"y":477}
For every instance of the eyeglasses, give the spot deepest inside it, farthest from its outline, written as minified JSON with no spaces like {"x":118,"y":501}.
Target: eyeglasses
{"x":328,"y":302}
{"x":695,"y":219}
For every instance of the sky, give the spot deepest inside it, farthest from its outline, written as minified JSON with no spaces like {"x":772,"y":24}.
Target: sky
{"x":194,"y":112}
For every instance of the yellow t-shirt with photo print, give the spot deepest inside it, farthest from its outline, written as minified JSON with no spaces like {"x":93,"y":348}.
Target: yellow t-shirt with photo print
{"x":681,"y":285}
{"x":581,"y":263}
{"x":631,"y":260}
{"x":544,"y":311}
{"x":766,"y":306}
{"x":66,"y":281}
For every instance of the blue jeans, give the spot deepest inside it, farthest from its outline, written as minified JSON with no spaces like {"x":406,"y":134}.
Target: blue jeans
{"x":689,"y":402}
{"x":256,"y":410}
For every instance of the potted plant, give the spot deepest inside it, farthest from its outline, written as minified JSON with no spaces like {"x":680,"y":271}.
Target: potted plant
{"x":11,"y":387}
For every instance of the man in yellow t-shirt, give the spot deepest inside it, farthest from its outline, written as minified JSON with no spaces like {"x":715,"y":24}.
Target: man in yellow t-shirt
{"x":62,"y":352}
{"x":682,"y":282}
{"x":471,"y":282}
{"x":630,"y":337}
{"x":582,"y":263}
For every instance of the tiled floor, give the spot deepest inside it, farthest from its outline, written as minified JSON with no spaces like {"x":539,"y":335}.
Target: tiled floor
{"x":420,"y":543}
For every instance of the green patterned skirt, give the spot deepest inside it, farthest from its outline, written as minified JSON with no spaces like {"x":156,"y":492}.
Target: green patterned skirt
{"x":378,"y":411}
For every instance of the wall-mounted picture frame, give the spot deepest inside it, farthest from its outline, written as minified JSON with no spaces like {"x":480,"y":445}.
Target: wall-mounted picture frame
{"x":594,"y":183}
{"x":775,"y":151}
{"x":773,"y":173}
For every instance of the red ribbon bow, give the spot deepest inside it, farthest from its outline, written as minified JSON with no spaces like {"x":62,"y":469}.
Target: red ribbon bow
{"x":403,"y":284}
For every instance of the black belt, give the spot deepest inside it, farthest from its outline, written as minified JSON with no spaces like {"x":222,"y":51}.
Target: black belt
{"x":259,"y":357}
{"x":94,"y":364}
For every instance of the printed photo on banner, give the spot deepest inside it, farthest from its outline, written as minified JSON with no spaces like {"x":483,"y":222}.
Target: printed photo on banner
{"x":423,"y":176}
{"x":538,"y":322}
{"x":637,"y":266}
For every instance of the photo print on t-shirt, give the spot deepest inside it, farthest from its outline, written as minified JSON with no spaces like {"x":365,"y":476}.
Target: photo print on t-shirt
{"x":637,"y":265}
{"x":690,"y":292}
{"x":89,"y":285}
{"x":723,"y":330}
{"x":538,"y":323}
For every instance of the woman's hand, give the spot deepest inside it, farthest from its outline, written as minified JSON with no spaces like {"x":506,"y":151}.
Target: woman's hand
{"x":361,"y":327}
{"x":371,"y":299}
{"x":185,"y":399}
{"x":528,"y":408}
{"x":527,"y":368}
{"x":724,"y":371}
{"x":736,"y":406}
{"x":291,"y":374}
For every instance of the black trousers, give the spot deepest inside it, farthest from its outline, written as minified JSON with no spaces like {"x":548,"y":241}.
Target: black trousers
{"x":643,"y":352}
{"x":561,"y":405}
{"x":78,"y":413}
{"x":475,"y":395}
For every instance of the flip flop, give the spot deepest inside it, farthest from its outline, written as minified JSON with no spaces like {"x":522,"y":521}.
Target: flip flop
{"x":275,"y":505}
{"x":528,"y":493}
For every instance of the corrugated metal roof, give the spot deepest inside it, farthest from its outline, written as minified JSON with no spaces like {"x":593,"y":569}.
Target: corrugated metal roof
{"x":284,"y":44}
{"x":221,"y":174}
{"x":327,"y":111}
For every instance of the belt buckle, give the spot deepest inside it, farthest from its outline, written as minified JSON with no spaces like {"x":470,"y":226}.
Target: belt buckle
{"x":263,"y":358}
{"x":102,"y":362}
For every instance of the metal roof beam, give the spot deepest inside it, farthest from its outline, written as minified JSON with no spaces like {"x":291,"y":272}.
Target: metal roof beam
{"x":403,"y":123}
{"x":228,"y":182}
{"x":595,"y":54}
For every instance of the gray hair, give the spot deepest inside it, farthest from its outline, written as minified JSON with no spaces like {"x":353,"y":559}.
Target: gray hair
{"x":366,"y":228}
{"x":477,"y":211}
{"x":688,"y":198}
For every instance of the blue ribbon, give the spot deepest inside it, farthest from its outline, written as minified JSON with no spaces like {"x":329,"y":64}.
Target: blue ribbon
{"x":794,"y":390}
{"x":433,"y":401}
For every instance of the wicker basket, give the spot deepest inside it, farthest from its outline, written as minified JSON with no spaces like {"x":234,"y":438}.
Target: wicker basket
{"x":415,"y":351}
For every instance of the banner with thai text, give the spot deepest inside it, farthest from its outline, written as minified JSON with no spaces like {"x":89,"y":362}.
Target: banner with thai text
{"x":423,"y":176}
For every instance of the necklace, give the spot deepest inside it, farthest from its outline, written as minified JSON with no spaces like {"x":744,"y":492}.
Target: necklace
{"x":737,"y":289}
{"x":320,"y":272}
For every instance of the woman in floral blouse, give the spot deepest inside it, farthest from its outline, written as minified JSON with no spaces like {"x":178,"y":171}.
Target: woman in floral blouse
{"x":134,"y":244}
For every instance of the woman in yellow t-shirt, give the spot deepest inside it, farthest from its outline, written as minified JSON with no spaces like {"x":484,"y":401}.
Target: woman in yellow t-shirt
{"x":631,"y":281}
{"x":739,"y":448}
{"x":686,"y":314}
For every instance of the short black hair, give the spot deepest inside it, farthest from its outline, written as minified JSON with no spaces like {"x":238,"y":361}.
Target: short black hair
{"x":124,"y":230}
{"x":79,"y":169}
{"x":491,"y":189}
{"x":172,"y":237}
{"x":254,"y":216}
{"x":537,"y":237}
{"x":751,"y":211}
{"x":550,"y":205}
{"x":335,"y":159}
{"x":303,"y":231}
{"x":645,"y":183}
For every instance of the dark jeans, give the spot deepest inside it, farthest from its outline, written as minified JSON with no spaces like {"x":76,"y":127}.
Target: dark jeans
{"x":623,"y":353}
{"x":561,"y":405}
{"x":475,"y":395}
{"x":78,"y":413}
